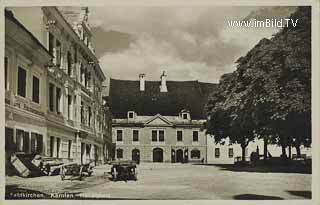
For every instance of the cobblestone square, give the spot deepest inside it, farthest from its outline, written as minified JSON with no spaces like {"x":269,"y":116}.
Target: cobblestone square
{"x":172,"y":181}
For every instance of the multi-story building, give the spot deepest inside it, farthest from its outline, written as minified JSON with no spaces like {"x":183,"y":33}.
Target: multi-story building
{"x":75,"y":85}
{"x":55,"y":84}
{"x":25,"y":85}
{"x":159,"y":121}
{"x":163,"y":121}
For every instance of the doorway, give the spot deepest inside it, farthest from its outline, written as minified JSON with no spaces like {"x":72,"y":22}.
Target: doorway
{"x":157,"y":155}
{"x":179,"y":156}
{"x":136,"y":155}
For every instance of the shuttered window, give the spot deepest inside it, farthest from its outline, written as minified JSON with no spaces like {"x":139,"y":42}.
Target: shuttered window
{"x":22,"y":78}
{"x":35,"y":89}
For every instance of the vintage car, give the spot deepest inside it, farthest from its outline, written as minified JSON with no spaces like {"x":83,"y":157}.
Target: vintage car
{"x":124,"y":170}
{"x":75,"y":169}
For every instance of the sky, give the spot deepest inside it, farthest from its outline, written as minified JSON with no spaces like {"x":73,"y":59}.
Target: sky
{"x":189,"y":43}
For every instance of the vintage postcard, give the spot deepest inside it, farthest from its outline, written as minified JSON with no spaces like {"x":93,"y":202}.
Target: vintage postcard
{"x":160,"y":101}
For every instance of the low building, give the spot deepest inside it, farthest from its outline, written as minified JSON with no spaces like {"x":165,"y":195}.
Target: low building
{"x":159,"y":121}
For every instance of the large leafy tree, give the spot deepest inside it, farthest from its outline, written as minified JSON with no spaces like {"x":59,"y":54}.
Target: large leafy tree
{"x":270,"y":92}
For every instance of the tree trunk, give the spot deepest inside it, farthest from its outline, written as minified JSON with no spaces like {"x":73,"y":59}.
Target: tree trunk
{"x":298,"y":150}
{"x":265,"y":149}
{"x":289,"y":152}
{"x":284,"y":154}
{"x":243,"y":148}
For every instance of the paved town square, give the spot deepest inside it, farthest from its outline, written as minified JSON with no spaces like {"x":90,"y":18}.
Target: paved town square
{"x":172,"y":181}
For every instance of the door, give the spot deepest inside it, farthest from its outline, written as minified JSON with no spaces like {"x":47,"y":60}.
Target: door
{"x":179,"y":155}
{"x":136,"y":155}
{"x":157,"y":155}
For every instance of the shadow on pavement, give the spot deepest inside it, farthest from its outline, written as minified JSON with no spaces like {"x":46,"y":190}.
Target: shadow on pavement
{"x":261,"y":168}
{"x":255,"y":197}
{"x":304,"y":194}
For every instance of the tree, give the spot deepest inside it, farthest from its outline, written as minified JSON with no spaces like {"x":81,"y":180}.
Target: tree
{"x":270,"y":91}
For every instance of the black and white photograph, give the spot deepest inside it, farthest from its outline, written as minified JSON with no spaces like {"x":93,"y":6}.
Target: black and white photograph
{"x":158,"y":102}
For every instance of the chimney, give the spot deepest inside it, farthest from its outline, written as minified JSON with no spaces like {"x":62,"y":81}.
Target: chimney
{"x":142,"y":82}
{"x":163,"y":86}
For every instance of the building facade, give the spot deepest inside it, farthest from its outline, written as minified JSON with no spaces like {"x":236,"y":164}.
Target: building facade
{"x":159,"y":138}
{"x":53,"y":88}
{"x":159,"y":121}
{"x":25,"y":90}
{"x":163,"y":121}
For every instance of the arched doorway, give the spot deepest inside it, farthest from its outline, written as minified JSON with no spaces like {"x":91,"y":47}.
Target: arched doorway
{"x":136,"y":155}
{"x":179,"y":155}
{"x":157,"y":155}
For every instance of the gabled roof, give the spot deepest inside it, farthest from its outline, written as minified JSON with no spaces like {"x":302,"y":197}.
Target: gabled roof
{"x":9,"y":15}
{"x":158,"y":117}
{"x":125,"y":95}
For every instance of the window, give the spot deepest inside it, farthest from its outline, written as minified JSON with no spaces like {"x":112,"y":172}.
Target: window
{"x":81,"y":73}
{"x":36,"y":143}
{"x":50,"y":44}
{"x":230,"y":152}
{"x":179,"y":136}
{"x":58,"y":100}
{"x":58,"y":147}
{"x":51,"y":96}
{"x":69,"y":63}
{"x":75,"y":57}
{"x":185,"y":116}
{"x":22,"y":77}
{"x":22,"y":138}
{"x":69,"y":107}
{"x":5,"y":72}
{"x":85,"y":78}
{"x":35,"y":89}
{"x":89,"y":117}
{"x":75,"y":107}
{"x":58,"y":53}
{"x":195,"y":154}
{"x":135,"y":136}
{"x":119,"y":135}
{"x":161,"y":135}
{"x":130,"y":115}
{"x":195,"y":136}
{"x":217,"y":152}
{"x":154,"y":135}
{"x":69,"y":149}
{"x":9,"y":142}
{"x":51,"y":146}
{"x":119,"y":153}
{"x":82,"y":112}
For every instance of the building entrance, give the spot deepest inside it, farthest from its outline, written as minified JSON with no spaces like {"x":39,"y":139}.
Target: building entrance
{"x":157,"y":155}
{"x":179,"y":155}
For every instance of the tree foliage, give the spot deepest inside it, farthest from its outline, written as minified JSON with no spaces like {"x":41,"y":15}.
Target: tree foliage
{"x":269,"y":94}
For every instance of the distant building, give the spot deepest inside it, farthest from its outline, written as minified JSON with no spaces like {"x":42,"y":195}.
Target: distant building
{"x":163,"y":121}
{"x":53,"y":88}
{"x":159,"y":121}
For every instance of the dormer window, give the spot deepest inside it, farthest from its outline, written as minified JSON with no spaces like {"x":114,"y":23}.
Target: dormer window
{"x":131,"y":115}
{"x":185,"y":115}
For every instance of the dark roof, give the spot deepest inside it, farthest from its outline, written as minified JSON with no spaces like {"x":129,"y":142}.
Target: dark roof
{"x":125,"y":95}
{"x":9,"y":15}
